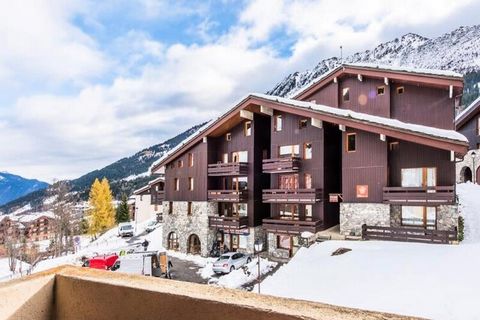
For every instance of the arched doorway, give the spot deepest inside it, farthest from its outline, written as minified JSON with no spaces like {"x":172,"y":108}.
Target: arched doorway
{"x":172,"y":241}
{"x":194,"y":246}
{"x":466,"y":174}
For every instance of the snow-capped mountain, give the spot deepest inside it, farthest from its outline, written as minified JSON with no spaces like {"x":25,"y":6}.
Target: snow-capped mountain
{"x":13,"y":186}
{"x":457,"y":51}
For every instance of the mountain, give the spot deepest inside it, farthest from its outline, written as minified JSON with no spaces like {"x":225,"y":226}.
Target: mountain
{"x":13,"y":187}
{"x":458,"y":50}
{"x":125,"y":175}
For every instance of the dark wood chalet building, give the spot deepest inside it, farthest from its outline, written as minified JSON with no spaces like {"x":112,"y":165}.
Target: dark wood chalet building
{"x":468,"y":124}
{"x":361,"y":145}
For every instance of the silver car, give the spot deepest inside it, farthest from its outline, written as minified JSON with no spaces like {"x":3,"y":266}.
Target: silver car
{"x":230,"y":261}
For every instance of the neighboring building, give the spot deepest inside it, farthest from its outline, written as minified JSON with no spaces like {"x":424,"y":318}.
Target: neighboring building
{"x":361,"y":145}
{"x":35,"y":226}
{"x":148,"y":201}
{"x":468,"y":124}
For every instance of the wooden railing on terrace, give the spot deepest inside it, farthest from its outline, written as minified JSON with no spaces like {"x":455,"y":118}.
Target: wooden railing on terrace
{"x":419,"y":195}
{"x":408,"y":234}
{"x":228,"y":223}
{"x":295,"y":227}
{"x":291,"y":195}
{"x":279,"y":165}
{"x":227,"y":195}
{"x":228,"y":169}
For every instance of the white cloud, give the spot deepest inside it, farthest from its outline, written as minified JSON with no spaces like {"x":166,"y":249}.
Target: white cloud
{"x":158,"y":90}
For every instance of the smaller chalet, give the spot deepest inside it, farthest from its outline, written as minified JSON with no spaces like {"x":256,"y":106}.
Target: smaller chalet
{"x":147,"y":201}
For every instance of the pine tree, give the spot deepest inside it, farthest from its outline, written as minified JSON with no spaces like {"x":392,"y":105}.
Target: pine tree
{"x":102,"y":213}
{"x":123,"y":213}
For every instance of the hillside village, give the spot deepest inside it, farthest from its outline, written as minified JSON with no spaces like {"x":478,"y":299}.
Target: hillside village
{"x":360,"y":175}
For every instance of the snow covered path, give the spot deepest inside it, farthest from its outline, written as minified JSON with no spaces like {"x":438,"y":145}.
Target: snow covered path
{"x":432,"y":281}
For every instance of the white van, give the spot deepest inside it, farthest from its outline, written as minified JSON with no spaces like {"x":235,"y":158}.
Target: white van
{"x":125,"y":229}
{"x":148,"y":263}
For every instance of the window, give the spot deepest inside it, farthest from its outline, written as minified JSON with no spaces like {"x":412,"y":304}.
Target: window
{"x":180,"y":163}
{"x":190,"y":183}
{"x":380,"y":91}
{"x":288,"y":181}
{"x":225,"y":158}
{"x":284,"y":242}
{"x":240,"y":183}
{"x":303,"y":123}
{"x":176,"y":182}
{"x":173,"y":241}
{"x":393,"y":145}
{"x":289,"y":211}
{"x":240,"y":156}
{"x":346,"y":94}
{"x":234,"y":242}
{"x":308,"y":211}
{"x":351,"y":144}
{"x":308,"y":181}
{"x":307,"y":151}
{"x":228,"y":137}
{"x":419,"y":216}
{"x":190,"y":159}
{"x":247,"y":129}
{"x":419,"y":177}
{"x":400,"y":90}
{"x":170,"y":207}
{"x":189,"y":208}
{"x":289,"y":151}
{"x":278,"y":123}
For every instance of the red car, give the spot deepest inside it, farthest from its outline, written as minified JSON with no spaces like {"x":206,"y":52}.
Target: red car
{"x":104,"y":262}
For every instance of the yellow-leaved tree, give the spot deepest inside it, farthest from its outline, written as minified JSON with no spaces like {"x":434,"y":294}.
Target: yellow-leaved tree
{"x":101,"y":213}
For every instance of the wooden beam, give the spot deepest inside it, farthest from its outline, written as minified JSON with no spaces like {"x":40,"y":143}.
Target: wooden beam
{"x":266,"y":110}
{"x":452,"y":156}
{"x":450,"y":91}
{"x":359,"y":77}
{"x":383,"y":137}
{"x":317,"y":123}
{"x":245,"y":114}
{"x":385,"y":80}
{"x":342,"y":127}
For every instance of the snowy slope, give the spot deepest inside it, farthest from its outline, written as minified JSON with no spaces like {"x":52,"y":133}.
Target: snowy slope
{"x":432,"y":281}
{"x":460,"y":52}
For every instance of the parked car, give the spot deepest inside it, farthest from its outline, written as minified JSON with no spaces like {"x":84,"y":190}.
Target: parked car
{"x":148,"y":263}
{"x":152,"y":225}
{"x":105,"y":262}
{"x":125,"y":229}
{"x":230,"y":261}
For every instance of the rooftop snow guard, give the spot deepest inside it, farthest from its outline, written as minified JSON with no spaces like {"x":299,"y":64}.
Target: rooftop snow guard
{"x":79,"y":293}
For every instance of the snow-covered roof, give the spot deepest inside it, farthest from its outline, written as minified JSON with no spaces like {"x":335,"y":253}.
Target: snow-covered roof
{"x":394,"y":68}
{"x":156,"y":180}
{"x":142,"y":189}
{"x":397,"y":68}
{"x":393,"y":123}
{"x":33,"y":216}
{"x":471,"y":107}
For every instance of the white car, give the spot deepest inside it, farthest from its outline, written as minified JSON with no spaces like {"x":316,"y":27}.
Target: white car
{"x":230,"y":261}
{"x":125,"y":229}
{"x":152,"y":225}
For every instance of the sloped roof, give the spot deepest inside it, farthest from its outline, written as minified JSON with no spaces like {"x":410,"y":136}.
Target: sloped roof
{"x":441,"y":138}
{"x":467,"y":113}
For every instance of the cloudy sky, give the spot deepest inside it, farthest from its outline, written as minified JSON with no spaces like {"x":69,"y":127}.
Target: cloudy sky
{"x":85,"y":83}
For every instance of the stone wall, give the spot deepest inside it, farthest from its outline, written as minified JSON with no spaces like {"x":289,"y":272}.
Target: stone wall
{"x":354,"y":215}
{"x":467,"y":162}
{"x":185,"y":225}
{"x":447,"y":217}
{"x":395,"y":216}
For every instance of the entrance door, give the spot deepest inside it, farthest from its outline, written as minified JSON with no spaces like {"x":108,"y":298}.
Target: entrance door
{"x":194,"y":245}
{"x":234,"y":242}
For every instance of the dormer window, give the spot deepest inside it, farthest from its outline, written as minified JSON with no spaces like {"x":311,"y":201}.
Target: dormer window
{"x":346,"y":94}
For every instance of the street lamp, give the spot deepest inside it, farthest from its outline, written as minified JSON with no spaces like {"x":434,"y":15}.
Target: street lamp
{"x":258,"y":246}
{"x":474,"y":173}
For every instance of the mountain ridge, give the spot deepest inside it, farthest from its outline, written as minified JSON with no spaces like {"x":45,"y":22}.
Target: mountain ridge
{"x":13,"y":186}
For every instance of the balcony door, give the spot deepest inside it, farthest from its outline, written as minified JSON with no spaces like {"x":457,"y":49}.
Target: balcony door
{"x":288,"y":181}
{"x":240,"y":156}
{"x":419,"y":177}
{"x":289,"y":211}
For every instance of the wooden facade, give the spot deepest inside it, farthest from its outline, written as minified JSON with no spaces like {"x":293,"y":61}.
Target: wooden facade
{"x":360,"y":170}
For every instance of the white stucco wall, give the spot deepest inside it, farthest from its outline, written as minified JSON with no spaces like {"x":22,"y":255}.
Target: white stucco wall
{"x":143,"y":209}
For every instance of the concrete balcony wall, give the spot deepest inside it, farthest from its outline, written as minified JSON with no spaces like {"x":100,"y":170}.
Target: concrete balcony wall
{"x":80,"y":293}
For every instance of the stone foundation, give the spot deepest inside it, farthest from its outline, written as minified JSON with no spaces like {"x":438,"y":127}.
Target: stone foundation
{"x":185,"y":225}
{"x":354,"y":215}
{"x":447,"y":217}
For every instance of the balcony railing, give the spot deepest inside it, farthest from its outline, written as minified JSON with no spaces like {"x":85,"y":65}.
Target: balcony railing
{"x":228,"y":169}
{"x":293,"y":227}
{"x":419,"y":195}
{"x":280,"y":165}
{"x":157,"y":197}
{"x":292,"y":195}
{"x":228,"y":224}
{"x":227,"y":195}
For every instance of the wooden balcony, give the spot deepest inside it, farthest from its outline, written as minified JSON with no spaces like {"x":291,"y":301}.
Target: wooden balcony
{"x":408,"y":234}
{"x":228,"y":224}
{"x":419,"y":195}
{"x":308,"y":196}
{"x":227,"y":195}
{"x":280,"y":165}
{"x":157,"y":197}
{"x":228,"y":169}
{"x":291,"y":227}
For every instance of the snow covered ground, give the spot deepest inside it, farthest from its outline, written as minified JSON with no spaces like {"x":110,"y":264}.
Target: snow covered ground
{"x":432,"y":281}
